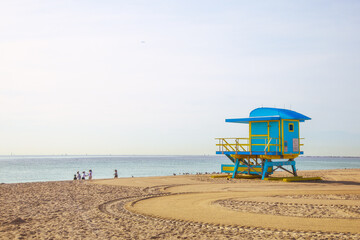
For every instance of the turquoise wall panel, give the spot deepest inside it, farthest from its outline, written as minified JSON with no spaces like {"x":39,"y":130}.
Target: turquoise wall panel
{"x":259,"y":128}
{"x":289,"y":142}
{"x":274,"y":134}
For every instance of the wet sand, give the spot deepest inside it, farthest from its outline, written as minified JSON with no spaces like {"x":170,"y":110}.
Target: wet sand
{"x":184,"y":207}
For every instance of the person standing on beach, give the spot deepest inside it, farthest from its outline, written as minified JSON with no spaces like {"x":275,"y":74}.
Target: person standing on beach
{"x":115,"y":174}
{"x":90,"y":174}
{"x":83,"y":175}
{"x":78,"y":175}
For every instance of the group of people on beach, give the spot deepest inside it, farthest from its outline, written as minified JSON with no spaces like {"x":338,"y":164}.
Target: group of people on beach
{"x":83,"y":176}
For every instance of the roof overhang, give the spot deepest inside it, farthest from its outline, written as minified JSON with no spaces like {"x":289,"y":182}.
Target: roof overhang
{"x":252,"y":119}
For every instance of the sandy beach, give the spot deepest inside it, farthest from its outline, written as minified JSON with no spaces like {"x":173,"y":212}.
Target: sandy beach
{"x":184,"y":207}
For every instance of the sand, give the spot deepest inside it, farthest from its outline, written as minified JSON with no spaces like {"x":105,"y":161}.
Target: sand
{"x":184,"y":207}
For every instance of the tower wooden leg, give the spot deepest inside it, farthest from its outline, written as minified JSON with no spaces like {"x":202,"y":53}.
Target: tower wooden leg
{"x":235,"y":168}
{"x":265,"y":167}
{"x":293,"y":167}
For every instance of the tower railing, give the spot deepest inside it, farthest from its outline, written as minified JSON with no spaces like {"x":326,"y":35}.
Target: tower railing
{"x":244,"y":144}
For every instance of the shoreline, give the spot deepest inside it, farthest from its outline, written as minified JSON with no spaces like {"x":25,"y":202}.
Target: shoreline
{"x":184,"y":207}
{"x":202,"y":174}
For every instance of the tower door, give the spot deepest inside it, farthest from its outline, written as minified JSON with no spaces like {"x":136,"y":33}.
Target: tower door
{"x":274,"y":136}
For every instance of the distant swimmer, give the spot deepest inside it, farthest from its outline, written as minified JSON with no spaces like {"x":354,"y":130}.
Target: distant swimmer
{"x":116,"y":174}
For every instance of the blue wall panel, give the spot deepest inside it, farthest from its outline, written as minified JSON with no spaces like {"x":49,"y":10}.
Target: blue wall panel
{"x":274,"y":134}
{"x":259,"y":128}
{"x":290,"y":136}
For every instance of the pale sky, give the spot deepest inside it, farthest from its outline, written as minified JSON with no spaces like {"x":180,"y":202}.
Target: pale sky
{"x":160,"y":77}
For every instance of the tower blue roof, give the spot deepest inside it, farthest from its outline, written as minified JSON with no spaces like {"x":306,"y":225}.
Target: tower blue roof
{"x":266,"y":114}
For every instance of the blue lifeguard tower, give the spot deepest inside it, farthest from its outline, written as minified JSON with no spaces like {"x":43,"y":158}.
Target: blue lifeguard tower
{"x":274,"y":135}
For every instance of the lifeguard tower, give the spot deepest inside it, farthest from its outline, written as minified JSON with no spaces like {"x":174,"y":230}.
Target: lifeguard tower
{"x":273,"y":143}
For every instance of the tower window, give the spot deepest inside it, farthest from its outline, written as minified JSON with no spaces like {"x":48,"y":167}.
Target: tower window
{"x":291,"y":127}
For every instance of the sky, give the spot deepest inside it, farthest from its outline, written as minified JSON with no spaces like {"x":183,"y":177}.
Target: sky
{"x":160,"y":77}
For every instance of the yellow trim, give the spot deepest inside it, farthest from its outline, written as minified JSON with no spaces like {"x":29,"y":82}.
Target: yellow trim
{"x":220,"y":176}
{"x":299,"y":136}
{"x":285,"y":156}
{"x":281,"y":178}
{"x":279,"y":150}
{"x":268,"y":126}
{"x":250,"y":136}
{"x":230,"y":138}
{"x":228,"y":169}
{"x":266,"y":121}
{"x":228,"y":144}
{"x":282,"y":137}
{"x":257,"y":168}
{"x":291,"y":120}
{"x":232,"y":144}
{"x":301,"y":179}
{"x":263,"y":144}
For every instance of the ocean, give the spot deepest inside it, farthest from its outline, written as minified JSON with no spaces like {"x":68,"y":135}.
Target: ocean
{"x":16,"y":169}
